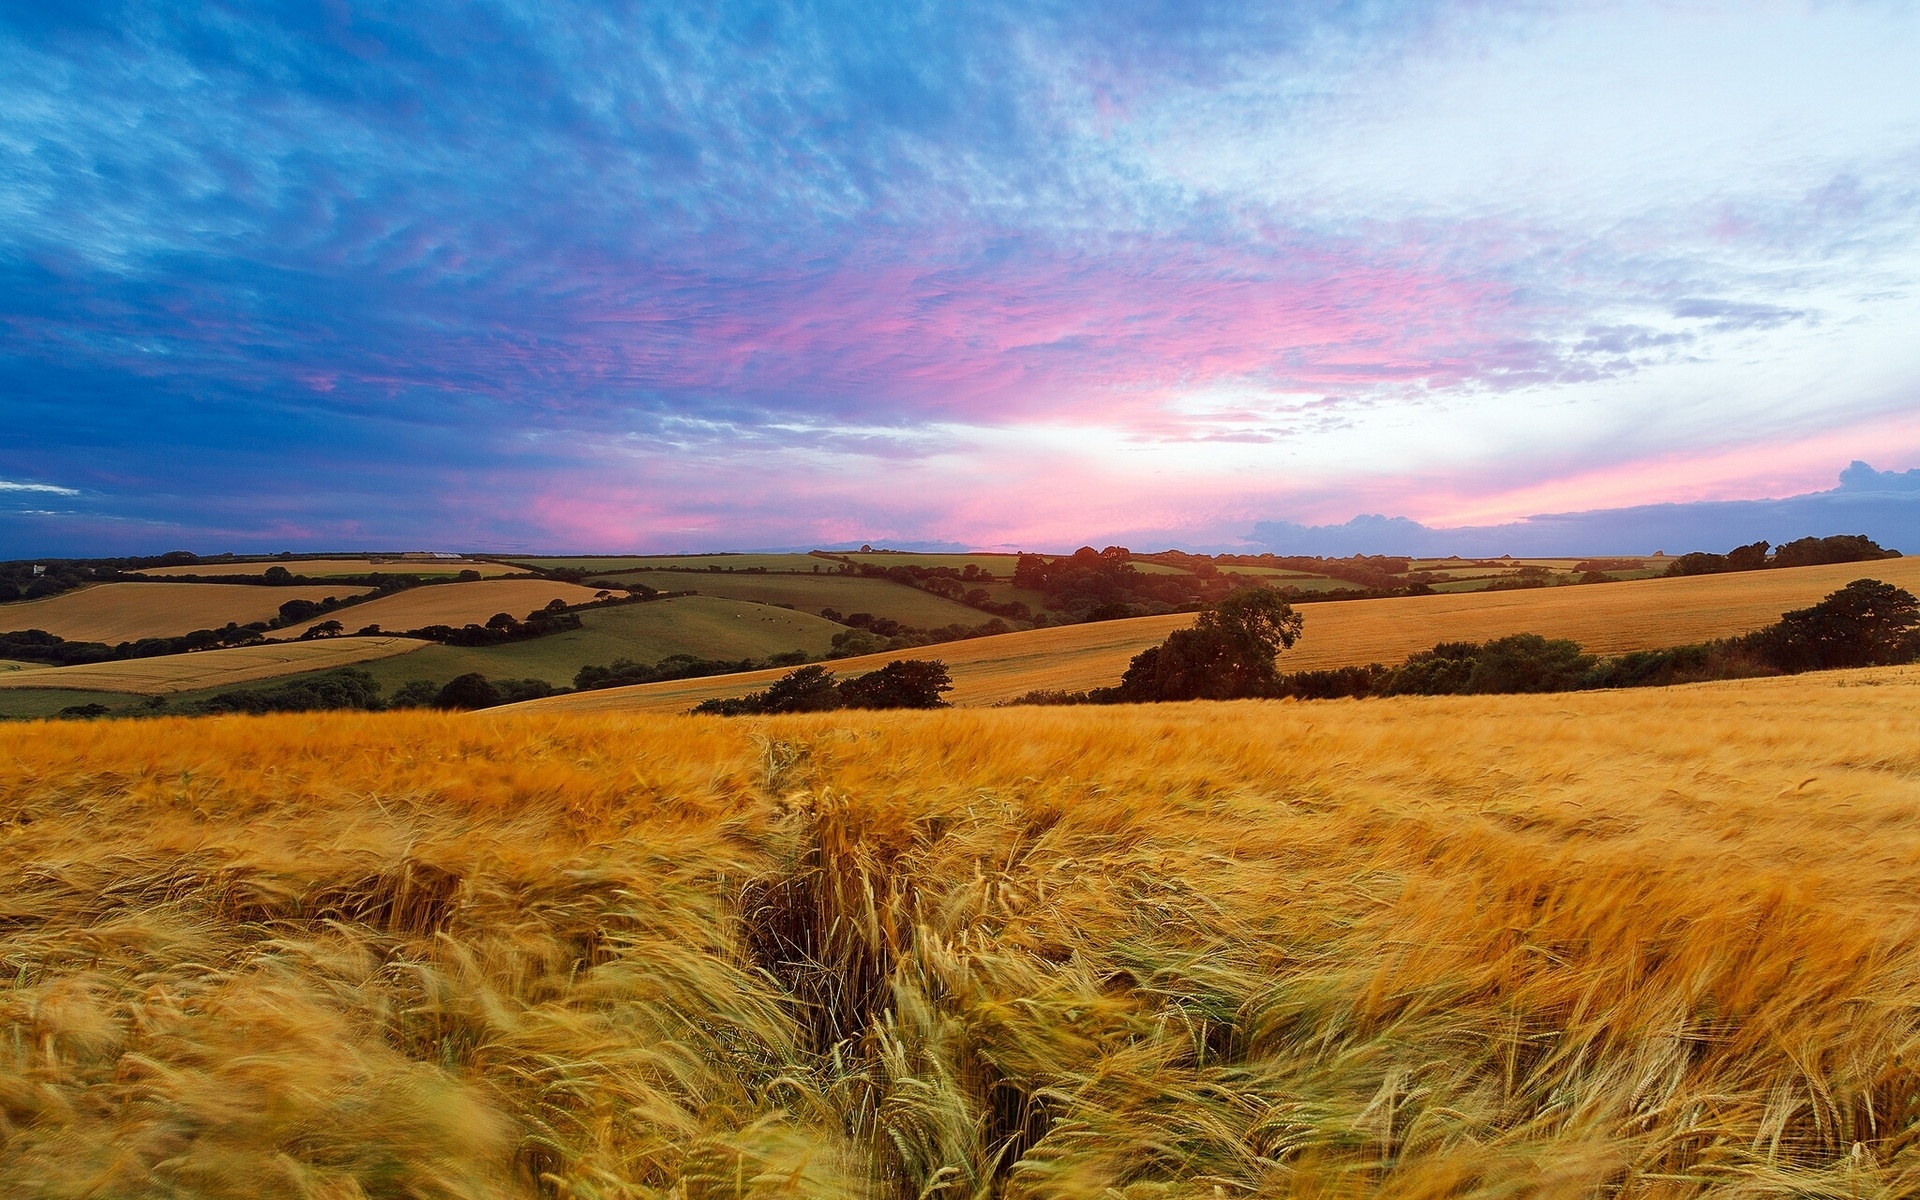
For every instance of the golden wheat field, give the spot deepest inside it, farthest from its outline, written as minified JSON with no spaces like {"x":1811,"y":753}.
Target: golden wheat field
{"x":126,"y":612}
{"x":172,"y":673}
{"x":1641,"y":614}
{"x":450,"y":604}
{"x":319,"y":567}
{"x":1649,"y":943}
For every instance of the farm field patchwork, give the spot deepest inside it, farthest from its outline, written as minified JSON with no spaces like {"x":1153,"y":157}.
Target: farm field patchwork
{"x":703,"y":626}
{"x":811,"y":593}
{"x":170,"y":674}
{"x":318,"y":568}
{"x":1649,"y":942}
{"x":125,"y":612}
{"x":1607,"y":618}
{"x":445,"y":604}
{"x":689,"y":562}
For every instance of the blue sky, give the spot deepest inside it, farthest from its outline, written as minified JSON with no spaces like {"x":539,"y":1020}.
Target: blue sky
{"x":625,"y":277}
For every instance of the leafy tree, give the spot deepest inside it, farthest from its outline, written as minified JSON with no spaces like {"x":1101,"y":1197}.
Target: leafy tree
{"x":1841,"y":548}
{"x":347,"y":688}
{"x":1867,"y":623}
{"x":1228,"y":653}
{"x":415,"y":693}
{"x":472,"y":690}
{"x":903,"y":683}
{"x":1747,"y":558}
{"x":1527,"y":662}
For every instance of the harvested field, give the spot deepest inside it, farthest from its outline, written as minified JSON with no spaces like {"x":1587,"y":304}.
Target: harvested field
{"x":173,"y":673}
{"x":448,"y":604}
{"x":1651,"y":943}
{"x":318,"y":568}
{"x":1607,"y":618}
{"x":126,"y":612}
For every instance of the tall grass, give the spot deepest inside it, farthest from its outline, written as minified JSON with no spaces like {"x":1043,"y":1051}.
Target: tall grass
{"x":1648,"y":943}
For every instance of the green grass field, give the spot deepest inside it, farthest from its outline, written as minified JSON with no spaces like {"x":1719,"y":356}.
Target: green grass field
{"x":19,"y":703}
{"x":703,"y":626}
{"x":811,"y":593}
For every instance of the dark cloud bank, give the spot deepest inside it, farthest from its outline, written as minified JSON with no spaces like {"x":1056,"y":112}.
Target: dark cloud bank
{"x":1884,"y":505}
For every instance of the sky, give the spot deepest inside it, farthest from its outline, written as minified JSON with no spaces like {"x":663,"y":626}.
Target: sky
{"x":608,"y":276}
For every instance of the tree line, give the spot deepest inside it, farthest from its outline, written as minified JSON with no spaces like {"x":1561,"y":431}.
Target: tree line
{"x":1232,"y":651}
{"x":1805,"y":552}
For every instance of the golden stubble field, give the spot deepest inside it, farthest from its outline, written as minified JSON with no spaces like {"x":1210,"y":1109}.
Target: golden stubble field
{"x":168,"y":674}
{"x":126,"y":612}
{"x":319,"y":567}
{"x":1641,"y":614}
{"x":453,"y":604}
{"x":1648,"y":943}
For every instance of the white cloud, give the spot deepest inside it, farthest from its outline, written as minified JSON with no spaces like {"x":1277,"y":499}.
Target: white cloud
{"x":7,"y":485}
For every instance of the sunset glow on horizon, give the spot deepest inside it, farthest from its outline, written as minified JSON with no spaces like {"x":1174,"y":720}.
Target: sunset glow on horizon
{"x":626,"y":278}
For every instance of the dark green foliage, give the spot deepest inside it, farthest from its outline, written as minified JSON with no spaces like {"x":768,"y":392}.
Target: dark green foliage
{"x":37,"y":645}
{"x":906,"y":683}
{"x":809,"y":689}
{"x":1843,"y":548}
{"x":624,"y":672}
{"x":1227,"y":654}
{"x":903,"y":683}
{"x":1527,"y":662}
{"x":347,"y":688}
{"x":1865,"y":624}
{"x":1806,"y":552}
{"x":415,"y":693}
{"x":85,"y":712}
{"x":1441,"y":671}
{"x":1333,"y":684}
{"x":472,"y":690}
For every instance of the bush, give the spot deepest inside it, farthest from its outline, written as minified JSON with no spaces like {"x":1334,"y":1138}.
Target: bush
{"x":347,"y":688}
{"x":1527,"y":662}
{"x":904,"y":683}
{"x":469,"y":691}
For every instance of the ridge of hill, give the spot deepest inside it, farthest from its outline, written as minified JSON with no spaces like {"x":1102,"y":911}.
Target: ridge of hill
{"x":1611,"y":618}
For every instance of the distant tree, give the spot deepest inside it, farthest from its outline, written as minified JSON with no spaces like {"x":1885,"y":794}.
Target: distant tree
{"x":1228,"y":653}
{"x":324,"y":629}
{"x":295,"y":611}
{"x":277,"y":576}
{"x":1747,"y":558}
{"x":469,"y":691}
{"x":809,"y":689}
{"x":1527,"y":662}
{"x":1867,"y":623}
{"x":1842,"y":548}
{"x":903,"y":683}
{"x":1698,"y":563}
{"x":416,"y":693}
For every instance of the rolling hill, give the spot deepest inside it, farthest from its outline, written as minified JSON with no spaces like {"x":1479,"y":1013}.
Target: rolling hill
{"x":1606,"y":618}
{"x":125,"y":612}
{"x":453,"y":604}
{"x":170,"y":674}
{"x":1623,"y":943}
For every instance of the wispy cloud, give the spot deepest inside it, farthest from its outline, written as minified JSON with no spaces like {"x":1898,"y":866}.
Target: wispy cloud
{"x":499,"y":269}
{"x":7,"y":485}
